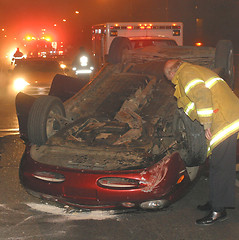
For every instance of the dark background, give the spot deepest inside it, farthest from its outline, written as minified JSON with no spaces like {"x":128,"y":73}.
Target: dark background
{"x":204,"y":20}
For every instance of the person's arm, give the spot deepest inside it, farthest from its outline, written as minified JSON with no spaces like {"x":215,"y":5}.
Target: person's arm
{"x":200,"y":95}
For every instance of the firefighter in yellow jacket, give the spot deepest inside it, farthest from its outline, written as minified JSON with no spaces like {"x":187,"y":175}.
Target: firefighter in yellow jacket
{"x":207,"y":98}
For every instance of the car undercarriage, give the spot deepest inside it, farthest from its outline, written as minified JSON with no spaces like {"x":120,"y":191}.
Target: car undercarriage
{"x":118,"y":137}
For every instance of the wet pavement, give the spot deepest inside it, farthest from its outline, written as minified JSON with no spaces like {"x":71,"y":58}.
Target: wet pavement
{"x":23,"y":216}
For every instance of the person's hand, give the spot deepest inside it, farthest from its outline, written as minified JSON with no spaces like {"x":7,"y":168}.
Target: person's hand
{"x":208,"y":134}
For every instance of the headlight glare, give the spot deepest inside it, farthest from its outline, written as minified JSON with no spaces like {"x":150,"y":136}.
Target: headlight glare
{"x":63,"y":66}
{"x":20,"y":84}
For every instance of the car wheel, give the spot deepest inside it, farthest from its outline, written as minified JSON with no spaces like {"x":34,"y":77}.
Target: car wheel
{"x":44,"y":119}
{"x":117,"y":48}
{"x":191,"y":139}
{"x":224,"y":60}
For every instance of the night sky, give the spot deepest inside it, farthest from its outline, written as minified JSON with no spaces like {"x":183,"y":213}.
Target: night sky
{"x":19,"y":17}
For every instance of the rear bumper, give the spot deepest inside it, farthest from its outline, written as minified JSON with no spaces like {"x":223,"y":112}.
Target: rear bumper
{"x":80,"y":189}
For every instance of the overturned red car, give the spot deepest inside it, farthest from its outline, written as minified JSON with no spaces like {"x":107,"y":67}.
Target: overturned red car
{"x":118,"y":141}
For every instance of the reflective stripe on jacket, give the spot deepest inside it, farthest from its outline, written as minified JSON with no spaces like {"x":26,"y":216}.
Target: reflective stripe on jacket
{"x":206,"y":97}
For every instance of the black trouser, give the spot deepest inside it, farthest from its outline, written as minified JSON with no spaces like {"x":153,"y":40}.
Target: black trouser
{"x":222,"y":174}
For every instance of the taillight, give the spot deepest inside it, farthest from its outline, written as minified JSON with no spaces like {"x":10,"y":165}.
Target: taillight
{"x":118,"y":183}
{"x":49,"y":176}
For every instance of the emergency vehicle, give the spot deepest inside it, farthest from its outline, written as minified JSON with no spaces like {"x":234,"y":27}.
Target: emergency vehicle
{"x":139,"y":34}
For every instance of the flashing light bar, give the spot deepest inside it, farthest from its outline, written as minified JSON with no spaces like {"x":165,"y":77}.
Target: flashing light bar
{"x":149,"y":26}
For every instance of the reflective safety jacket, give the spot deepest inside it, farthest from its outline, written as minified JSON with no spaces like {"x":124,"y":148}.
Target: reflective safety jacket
{"x":206,"y":97}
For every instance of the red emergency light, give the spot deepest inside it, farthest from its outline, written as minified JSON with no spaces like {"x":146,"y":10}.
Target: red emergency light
{"x":198,"y":44}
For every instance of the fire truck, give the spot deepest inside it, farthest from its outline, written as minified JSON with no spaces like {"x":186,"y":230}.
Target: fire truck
{"x":139,"y":33}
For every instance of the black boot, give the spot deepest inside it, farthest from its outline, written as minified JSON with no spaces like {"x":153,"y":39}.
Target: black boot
{"x":212,"y":217}
{"x":205,"y":207}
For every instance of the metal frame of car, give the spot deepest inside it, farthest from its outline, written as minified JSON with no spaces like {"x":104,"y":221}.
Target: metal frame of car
{"x":158,"y":179}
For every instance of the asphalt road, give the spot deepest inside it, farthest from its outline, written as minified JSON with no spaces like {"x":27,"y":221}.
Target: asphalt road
{"x":23,"y":216}
{"x":8,"y":120}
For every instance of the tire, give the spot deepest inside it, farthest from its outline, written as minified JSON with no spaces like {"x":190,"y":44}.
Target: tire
{"x":41,"y":122}
{"x":117,"y":47}
{"x":64,"y":87}
{"x":191,"y":139}
{"x":23,"y":103}
{"x":224,"y":60}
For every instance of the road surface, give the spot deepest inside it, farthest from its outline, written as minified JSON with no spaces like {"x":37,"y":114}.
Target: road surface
{"x":24,"y":217}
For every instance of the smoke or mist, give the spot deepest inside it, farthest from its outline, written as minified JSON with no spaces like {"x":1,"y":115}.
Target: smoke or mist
{"x":6,"y":84}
